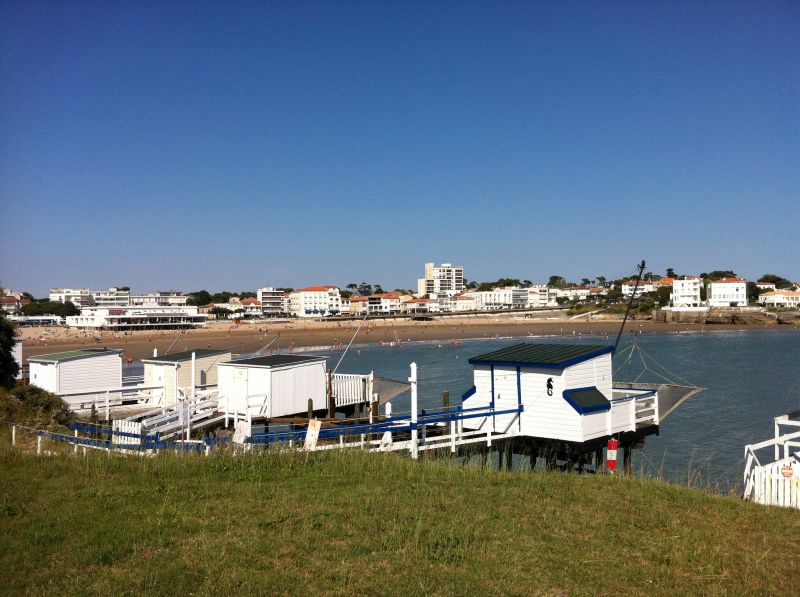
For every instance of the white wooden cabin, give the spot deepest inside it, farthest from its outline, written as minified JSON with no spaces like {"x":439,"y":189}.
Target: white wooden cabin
{"x":565,"y":391}
{"x":272,"y":386}
{"x":77,"y":370}
{"x":174,"y":373}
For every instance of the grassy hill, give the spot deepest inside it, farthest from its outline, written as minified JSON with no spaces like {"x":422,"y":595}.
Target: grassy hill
{"x":356,"y":523}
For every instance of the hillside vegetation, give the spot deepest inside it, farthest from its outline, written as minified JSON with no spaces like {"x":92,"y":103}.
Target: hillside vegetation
{"x":358,"y":523}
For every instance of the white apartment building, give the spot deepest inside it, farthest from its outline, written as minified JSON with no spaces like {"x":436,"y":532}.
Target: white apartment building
{"x":510,"y":297}
{"x":728,"y":292}
{"x":445,"y":279}
{"x":686,"y":292}
{"x":419,"y":305}
{"x":273,"y":302}
{"x":780,"y":298}
{"x":315,"y":301}
{"x":160,"y":298}
{"x":574,"y":293}
{"x":386,"y":304}
{"x":80,"y":297}
{"x":643,"y":288}
{"x":766,"y":286}
{"x":542,"y":296}
{"x":113,"y":297}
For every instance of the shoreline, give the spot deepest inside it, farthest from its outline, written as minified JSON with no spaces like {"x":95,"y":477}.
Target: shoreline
{"x":326,"y":335}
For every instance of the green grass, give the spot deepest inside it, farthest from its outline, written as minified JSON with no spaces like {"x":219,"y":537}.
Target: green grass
{"x":357,"y":523}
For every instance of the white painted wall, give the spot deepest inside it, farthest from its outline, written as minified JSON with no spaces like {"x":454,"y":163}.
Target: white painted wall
{"x":285,"y":390}
{"x":90,"y":373}
{"x":44,"y":375}
{"x":16,"y":353}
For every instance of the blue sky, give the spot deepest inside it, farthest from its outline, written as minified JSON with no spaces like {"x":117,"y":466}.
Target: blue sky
{"x":233,"y":145}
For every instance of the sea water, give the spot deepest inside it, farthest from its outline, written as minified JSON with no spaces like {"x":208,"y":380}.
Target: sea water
{"x":749,"y":377}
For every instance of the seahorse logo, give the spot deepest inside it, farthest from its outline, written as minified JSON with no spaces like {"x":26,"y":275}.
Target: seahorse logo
{"x":549,"y":386}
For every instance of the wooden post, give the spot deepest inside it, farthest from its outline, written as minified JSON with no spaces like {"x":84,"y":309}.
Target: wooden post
{"x":108,"y":407}
{"x":75,"y":449}
{"x":446,"y":400}
{"x":38,"y":444}
{"x":310,"y":409}
{"x":13,"y":434}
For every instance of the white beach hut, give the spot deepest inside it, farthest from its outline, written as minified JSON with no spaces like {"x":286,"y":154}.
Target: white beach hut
{"x":174,"y":373}
{"x":77,"y":370}
{"x":565,"y":391}
{"x":272,"y":386}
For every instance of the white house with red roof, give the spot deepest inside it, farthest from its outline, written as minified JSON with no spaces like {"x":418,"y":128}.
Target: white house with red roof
{"x":727,"y":292}
{"x":315,"y":301}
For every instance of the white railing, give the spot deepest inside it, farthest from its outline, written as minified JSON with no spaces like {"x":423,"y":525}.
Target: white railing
{"x":775,"y":483}
{"x":350,"y":388}
{"x":108,"y":398}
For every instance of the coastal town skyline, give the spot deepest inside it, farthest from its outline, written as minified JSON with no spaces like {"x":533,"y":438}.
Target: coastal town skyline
{"x":164,"y":147}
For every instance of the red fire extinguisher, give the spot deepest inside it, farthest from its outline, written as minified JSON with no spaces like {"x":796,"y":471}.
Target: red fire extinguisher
{"x":611,"y":454}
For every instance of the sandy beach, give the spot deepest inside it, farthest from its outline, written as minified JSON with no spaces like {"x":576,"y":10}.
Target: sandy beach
{"x":247,"y":337}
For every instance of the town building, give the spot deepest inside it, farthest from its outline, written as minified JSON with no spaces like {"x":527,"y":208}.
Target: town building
{"x":501,"y":298}
{"x":686,"y":292}
{"x":727,"y":292}
{"x":113,"y":297}
{"x":441,"y":280}
{"x":358,"y":305}
{"x":419,"y":305}
{"x":137,"y":318}
{"x":541,"y":296}
{"x":574,"y":293}
{"x":387,"y":303}
{"x":160,"y":298}
{"x":80,"y":297}
{"x":766,"y":286}
{"x":315,"y":301}
{"x":780,"y":298}
{"x":13,"y":304}
{"x":461,"y":303}
{"x":644,"y":287}
{"x":273,"y":301}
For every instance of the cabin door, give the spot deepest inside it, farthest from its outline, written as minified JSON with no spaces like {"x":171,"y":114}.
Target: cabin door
{"x":240,"y":389}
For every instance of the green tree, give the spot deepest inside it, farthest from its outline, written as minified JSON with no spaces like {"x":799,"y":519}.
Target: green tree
{"x":671,"y":273}
{"x":220,"y":312}
{"x":752,"y":292}
{"x":780,"y":283}
{"x":557,"y":281}
{"x":8,"y":366}
{"x":50,"y":308}
{"x":664,"y":295}
{"x":718,"y":274}
{"x":601,"y":280}
{"x":198,"y":298}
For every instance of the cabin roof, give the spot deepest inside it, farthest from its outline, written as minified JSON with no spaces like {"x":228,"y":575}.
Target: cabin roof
{"x":276,"y":360}
{"x":587,"y":400}
{"x":555,"y":356}
{"x":186,"y":355}
{"x":71,"y":355}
